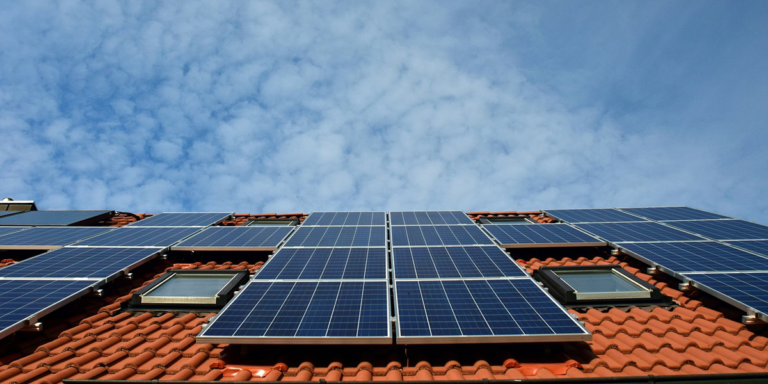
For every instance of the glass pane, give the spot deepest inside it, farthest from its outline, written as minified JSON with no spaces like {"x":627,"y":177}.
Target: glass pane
{"x":598,"y":281}
{"x":191,"y":285}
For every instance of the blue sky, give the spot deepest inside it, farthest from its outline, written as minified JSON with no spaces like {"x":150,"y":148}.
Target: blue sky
{"x":303,"y":106}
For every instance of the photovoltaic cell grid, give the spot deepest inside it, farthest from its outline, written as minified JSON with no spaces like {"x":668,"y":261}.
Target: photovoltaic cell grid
{"x":346,"y":218}
{"x":673,"y":213}
{"x":182,"y":220}
{"x":423,"y":235}
{"x":541,"y":234}
{"x":725,"y":229}
{"x":139,"y":237}
{"x":326,"y":264}
{"x":7,"y":230}
{"x":363,"y":236}
{"x":637,"y":232}
{"x":21,"y":300}
{"x":704,"y":256}
{"x":745,"y":288}
{"x":598,"y":215}
{"x":429,"y":218}
{"x":236,"y":238}
{"x":90,"y":263}
{"x":300,"y":312}
{"x":51,"y":217}
{"x":757,"y":246}
{"x":454,"y":262}
{"x":47,"y":237}
{"x":480,"y":310}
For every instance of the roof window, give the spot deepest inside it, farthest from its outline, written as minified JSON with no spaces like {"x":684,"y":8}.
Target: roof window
{"x":596,"y":284}
{"x":191,"y":287}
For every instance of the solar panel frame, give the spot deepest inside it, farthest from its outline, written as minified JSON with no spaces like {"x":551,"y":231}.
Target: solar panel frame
{"x":398,"y":218}
{"x":100,"y":264}
{"x":438,"y":235}
{"x":19,"y":308}
{"x":756,"y":246}
{"x":225,"y":238}
{"x":150,"y":237}
{"x":314,"y":263}
{"x":548,"y":235}
{"x":252,"y":301}
{"x":640,"y":232}
{"x":480,"y":322}
{"x":679,"y":258}
{"x":182,"y":219}
{"x":737,"y":289}
{"x":455,"y":262}
{"x":337,"y":236}
{"x":592,"y":215}
{"x":345,"y":218}
{"x":52,"y":218}
{"x":664,"y":214}
{"x":724,"y":229}
{"x":49,"y":237}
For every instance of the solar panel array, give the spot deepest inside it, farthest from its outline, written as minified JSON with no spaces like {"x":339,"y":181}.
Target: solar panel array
{"x":725,"y":229}
{"x":756,"y":246}
{"x":51,"y":217}
{"x":453,"y":262}
{"x":597,"y":215}
{"x":8,"y":213}
{"x":353,"y":236}
{"x":746,"y":289}
{"x":139,"y":237}
{"x":637,"y":232}
{"x":48,"y":237}
{"x":429,"y":218}
{"x":83,"y":263}
{"x":346,"y":219}
{"x":672,"y":213}
{"x":541,"y":235}
{"x":698,"y":256}
{"x":327,"y":264}
{"x":252,"y":238}
{"x":7,"y":230}
{"x":429,"y":235}
{"x":182,"y":219}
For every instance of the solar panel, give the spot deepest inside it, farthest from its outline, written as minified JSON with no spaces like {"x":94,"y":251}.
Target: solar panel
{"x":453,"y":262}
{"x":699,"y":256}
{"x":429,"y":218}
{"x":54,"y":217}
{"x":598,"y":215}
{"x":474,"y":311}
{"x":326,"y":264}
{"x":7,"y":230}
{"x":24,"y":301}
{"x":725,"y":229}
{"x":345,"y":218}
{"x":182,"y":219}
{"x":541,"y":235}
{"x":645,"y":231}
{"x":364,"y":236}
{"x":8,"y":213}
{"x":673,"y":213}
{"x":48,"y":237}
{"x":90,"y":263}
{"x":304,"y":312}
{"x":139,"y":237}
{"x":265,"y":238}
{"x":757,"y":246}
{"x":744,"y":290}
{"x":421,"y":235}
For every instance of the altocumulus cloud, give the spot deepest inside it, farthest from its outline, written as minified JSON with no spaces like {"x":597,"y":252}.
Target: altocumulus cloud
{"x":255,"y":106}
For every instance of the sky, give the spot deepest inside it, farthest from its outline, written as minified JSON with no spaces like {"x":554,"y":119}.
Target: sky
{"x":257,"y":107}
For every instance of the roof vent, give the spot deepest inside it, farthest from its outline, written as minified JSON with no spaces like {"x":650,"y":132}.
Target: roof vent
{"x":8,"y":204}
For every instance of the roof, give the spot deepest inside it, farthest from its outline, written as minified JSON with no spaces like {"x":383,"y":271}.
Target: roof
{"x":694,"y":335}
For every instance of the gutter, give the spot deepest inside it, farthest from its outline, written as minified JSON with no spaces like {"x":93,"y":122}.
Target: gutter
{"x":735,"y":378}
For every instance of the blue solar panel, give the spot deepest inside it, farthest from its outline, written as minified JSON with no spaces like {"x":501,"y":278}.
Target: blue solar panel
{"x":139,"y":237}
{"x":599,"y":215}
{"x":725,"y":229}
{"x":182,"y":219}
{"x":454,"y":262}
{"x":338,"y":237}
{"x":419,"y":235}
{"x":673,"y":213}
{"x":49,"y":237}
{"x":346,"y":218}
{"x":8,"y":213}
{"x":236,"y":238}
{"x":749,"y":289}
{"x":469,"y":311}
{"x":700,"y":256}
{"x":91,"y":263}
{"x":429,"y":218}
{"x":757,"y":246}
{"x":52,"y":217}
{"x":646,"y":231}
{"x":326,"y":264}
{"x":7,"y":230}
{"x":311,"y":312}
{"x":541,"y":234}
{"x":24,"y":300}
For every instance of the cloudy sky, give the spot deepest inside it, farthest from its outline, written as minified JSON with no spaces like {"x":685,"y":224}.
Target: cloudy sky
{"x":302,"y":106}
